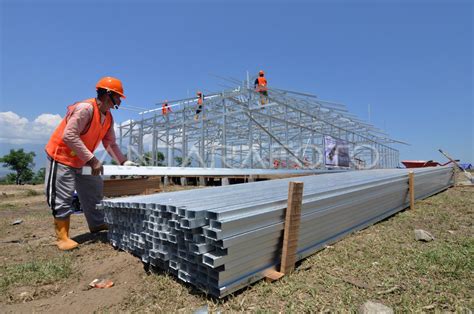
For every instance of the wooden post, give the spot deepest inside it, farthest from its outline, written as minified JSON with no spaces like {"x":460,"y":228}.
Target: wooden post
{"x":455,"y":176}
{"x":291,"y":232}
{"x":292,"y":227}
{"x":411,"y":189}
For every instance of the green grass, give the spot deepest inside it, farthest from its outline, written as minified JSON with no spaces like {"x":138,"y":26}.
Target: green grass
{"x":9,"y":206}
{"x":37,"y":272}
{"x":449,"y":260}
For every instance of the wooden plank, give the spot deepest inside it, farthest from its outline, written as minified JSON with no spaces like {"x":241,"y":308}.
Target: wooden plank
{"x":411,"y":189}
{"x":152,"y":185}
{"x":280,"y":176}
{"x":292,"y":227}
{"x":134,"y":186}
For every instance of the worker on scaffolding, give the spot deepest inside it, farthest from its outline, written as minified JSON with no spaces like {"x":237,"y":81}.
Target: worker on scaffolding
{"x":71,"y":146}
{"x":165,"y":108}
{"x":306,"y":162}
{"x":199,"y":105}
{"x":260,"y":86}
{"x":276,"y":163}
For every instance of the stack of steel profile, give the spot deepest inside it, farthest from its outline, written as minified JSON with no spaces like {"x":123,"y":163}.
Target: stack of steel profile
{"x":221,"y":239}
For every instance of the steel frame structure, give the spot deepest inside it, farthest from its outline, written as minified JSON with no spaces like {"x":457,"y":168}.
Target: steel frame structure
{"x":234,"y":130}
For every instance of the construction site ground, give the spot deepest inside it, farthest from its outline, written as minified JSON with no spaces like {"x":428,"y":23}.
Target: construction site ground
{"x":382,"y":263}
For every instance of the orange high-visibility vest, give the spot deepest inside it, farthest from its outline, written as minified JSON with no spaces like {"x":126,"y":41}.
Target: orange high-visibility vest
{"x":165,"y":109}
{"x":199,"y":101}
{"x":59,"y":151}
{"x":262,"y":84}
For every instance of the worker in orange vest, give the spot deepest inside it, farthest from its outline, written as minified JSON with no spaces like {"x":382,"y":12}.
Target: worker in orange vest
{"x":276,"y":163}
{"x":165,"y":108}
{"x":199,"y":105}
{"x":87,"y":123}
{"x":260,"y":86}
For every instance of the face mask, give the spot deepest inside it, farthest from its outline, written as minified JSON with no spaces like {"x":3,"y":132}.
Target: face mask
{"x":113,"y":101}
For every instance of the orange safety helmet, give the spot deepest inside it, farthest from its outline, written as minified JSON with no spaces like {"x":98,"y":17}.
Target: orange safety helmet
{"x":199,"y":93}
{"x":112,"y":84}
{"x":261,"y":73}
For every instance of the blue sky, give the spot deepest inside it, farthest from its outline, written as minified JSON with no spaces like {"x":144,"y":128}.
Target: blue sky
{"x":411,"y":61}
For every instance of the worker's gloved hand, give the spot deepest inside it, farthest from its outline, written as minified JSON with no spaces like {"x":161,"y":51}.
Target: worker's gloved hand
{"x":130,"y":163}
{"x":96,"y":166}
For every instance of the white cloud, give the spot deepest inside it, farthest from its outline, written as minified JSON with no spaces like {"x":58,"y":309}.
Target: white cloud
{"x":19,"y":130}
{"x":48,"y":120}
{"x":12,"y":118}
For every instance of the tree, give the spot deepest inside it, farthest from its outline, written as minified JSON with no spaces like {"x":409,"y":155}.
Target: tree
{"x":26,"y":176}
{"x":21,"y":163}
{"x":39,"y":176}
{"x":147,"y":159}
{"x":179,"y":161}
{"x":10,"y":178}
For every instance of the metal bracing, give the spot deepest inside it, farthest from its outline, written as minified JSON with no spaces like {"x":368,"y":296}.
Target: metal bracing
{"x":234,"y":130}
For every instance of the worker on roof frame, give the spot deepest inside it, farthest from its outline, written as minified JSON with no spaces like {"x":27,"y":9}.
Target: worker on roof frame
{"x":165,"y":108}
{"x":199,"y":104}
{"x":260,"y":86}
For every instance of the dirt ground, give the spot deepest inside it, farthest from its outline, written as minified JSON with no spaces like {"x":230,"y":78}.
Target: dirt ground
{"x":33,"y":240}
{"x":381,"y":263}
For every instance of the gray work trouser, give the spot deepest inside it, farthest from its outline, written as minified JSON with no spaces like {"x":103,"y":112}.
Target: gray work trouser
{"x":60,"y":183}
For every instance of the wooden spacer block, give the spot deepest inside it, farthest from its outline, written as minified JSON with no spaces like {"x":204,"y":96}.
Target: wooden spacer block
{"x":273,"y":276}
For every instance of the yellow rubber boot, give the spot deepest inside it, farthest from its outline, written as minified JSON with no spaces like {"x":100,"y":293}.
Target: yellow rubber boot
{"x":64,"y":243}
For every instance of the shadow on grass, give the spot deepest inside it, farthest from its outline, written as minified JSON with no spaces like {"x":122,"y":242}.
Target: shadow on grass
{"x":192,"y":289}
{"x":99,"y":237}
